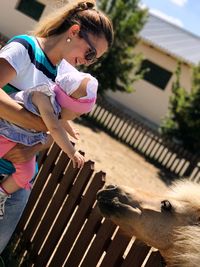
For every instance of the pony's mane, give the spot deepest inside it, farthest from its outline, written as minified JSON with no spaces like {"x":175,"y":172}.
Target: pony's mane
{"x":186,"y":248}
{"x":187,"y":191}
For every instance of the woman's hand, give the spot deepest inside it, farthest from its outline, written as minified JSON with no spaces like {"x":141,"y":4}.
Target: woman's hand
{"x":21,"y":153}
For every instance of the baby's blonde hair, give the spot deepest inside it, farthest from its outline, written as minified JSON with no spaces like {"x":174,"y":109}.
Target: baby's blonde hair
{"x":79,"y":12}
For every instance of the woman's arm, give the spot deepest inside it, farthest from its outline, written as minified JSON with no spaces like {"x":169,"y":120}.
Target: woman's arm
{"x":9,"y":109}
{"x":55,"y":128}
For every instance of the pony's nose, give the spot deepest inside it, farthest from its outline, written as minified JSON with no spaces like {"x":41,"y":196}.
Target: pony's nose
{"x":107,"y":192}
{"x":111,"y":187}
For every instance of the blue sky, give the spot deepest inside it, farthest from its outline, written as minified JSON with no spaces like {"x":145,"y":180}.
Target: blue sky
{"x":184,"y":13}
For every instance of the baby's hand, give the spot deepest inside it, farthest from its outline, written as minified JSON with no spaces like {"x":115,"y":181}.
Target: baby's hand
{"x":78,"y":160}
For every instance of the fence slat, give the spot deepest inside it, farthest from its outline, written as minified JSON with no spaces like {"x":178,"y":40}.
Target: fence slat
{"x":116,"y":250}
{"x":136,"y":255}
{"x":91,"y":227}
{"x":53,"y":208}
{"x":78,"y":220}
{"x":155,"y":260}
{"x":100,"y":242}
{"x":39,"y":184}
{"x":63,"y":217}
{"x":42,"y":205}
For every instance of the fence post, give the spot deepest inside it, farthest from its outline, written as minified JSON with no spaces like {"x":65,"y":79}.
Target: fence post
{"x":193,"y":163}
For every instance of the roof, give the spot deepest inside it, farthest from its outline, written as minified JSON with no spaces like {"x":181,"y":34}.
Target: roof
{"x":172,"y":39}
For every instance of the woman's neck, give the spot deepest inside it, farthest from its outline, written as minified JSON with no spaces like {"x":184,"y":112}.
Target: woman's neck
{"x":51,"y":47}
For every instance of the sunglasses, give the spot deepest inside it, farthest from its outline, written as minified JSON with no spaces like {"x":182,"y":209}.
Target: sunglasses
{"x":91,"y":54}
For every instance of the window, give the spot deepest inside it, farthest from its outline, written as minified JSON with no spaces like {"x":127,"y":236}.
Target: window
{"x":31,"y":8}
{"x":155,"y":74}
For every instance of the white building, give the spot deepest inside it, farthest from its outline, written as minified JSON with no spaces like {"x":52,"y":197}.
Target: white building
{"x":20,"y":16}
{"x":162,"y":44}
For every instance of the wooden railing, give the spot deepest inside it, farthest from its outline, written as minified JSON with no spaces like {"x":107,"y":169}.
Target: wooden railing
{"x":62,"y":226}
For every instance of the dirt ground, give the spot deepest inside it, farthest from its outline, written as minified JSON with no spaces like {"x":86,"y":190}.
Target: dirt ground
{"x":121,"y":164}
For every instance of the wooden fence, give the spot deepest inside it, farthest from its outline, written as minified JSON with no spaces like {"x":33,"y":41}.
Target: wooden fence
{"x":62,"y":226}
{"x":163,"y":153}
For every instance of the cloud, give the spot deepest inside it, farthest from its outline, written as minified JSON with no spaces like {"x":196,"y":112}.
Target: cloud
{"x":164,"y":16}
{"x":179,"y":2}
{"x":142,"y":5}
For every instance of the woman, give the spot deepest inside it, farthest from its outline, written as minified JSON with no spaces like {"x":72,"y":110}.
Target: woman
{"x":76,"y":33}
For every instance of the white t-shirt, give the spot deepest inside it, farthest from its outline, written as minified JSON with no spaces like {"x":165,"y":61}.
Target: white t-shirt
{"x":31,"y":64}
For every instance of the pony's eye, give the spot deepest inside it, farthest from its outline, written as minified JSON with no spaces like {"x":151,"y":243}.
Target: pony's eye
{"x":166,"y":205}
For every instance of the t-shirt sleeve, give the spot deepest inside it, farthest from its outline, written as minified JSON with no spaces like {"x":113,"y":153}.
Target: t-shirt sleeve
{"x":16,"y":55}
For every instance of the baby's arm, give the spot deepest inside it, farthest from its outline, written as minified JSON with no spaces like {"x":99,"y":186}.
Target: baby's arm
{"x":58,"y":133}
{"x":71,"y":130}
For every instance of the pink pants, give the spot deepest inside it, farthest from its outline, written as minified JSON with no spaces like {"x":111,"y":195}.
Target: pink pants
{"x":24,"y":171}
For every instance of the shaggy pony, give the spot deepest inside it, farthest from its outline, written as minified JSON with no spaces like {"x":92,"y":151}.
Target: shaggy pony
{"x":169,"y":222}
{"x":186,"y":248}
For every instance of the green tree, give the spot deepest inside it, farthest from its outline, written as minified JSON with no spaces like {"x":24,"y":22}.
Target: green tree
{"x":182,"y":122}
{"x":117,"y":69}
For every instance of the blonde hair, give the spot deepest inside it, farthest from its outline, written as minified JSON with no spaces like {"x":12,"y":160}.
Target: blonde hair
{"x":82,"y":13}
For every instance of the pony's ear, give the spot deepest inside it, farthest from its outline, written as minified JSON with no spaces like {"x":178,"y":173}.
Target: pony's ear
{"x":198,"y":220}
